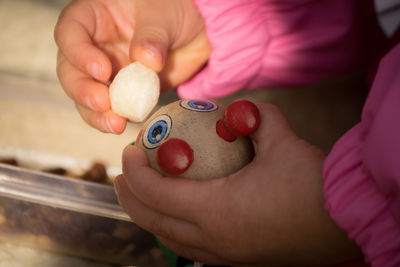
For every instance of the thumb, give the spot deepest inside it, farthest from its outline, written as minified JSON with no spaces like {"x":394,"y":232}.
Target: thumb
{"x":274,"y":127}
{"x":149,"y":46}
{"x":133,"y":158}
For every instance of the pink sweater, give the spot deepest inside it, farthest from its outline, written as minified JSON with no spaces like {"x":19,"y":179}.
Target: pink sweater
{"x":265,"y":43}
{"x":362,"y":172}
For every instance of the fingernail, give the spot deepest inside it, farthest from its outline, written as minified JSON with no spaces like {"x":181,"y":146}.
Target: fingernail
{"x":90,"y":103}
{"x":106,"y":125}
{"x":153,"y":50}
{"x":95,"y":70}
{"x":109,"y":125}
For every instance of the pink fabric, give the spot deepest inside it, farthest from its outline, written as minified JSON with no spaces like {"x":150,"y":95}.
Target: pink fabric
{"x":266,"y":43}
{"x":362,"y":172}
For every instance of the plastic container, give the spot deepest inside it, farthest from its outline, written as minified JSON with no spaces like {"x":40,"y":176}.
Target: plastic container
{"x":71,"y":216}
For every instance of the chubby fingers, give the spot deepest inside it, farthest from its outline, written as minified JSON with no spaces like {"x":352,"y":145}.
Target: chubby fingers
{"x":158,"y":223}
{"x":273,"y":127}
{"x":81,"y":87}
{"x":151,"y":39}
{"x":177,"y":197}
{"x":91,"y":97}
{"x":182,"y":237}
{"x":83,"y":69}
{"x":149,"y":46}
{"x":166,"y":207}
{"x":107,"y":122}
{"x":73,"y":34}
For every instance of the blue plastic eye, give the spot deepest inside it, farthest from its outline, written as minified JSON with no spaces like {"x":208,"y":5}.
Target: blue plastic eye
{"x":156,"y":131}
{"x":198,"y":105}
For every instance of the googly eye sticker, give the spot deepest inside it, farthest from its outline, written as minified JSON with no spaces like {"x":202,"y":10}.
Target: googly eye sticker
{"x":198,"y":105}
{"x":156,"y":131}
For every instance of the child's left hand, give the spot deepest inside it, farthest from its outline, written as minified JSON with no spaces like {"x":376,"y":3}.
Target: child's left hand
{"x":271,"y":212}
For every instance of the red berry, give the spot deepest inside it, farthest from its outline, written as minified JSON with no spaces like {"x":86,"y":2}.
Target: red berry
{"x":174,"y":156}
{"x":242,"y":118}
{"x":223,"y":132}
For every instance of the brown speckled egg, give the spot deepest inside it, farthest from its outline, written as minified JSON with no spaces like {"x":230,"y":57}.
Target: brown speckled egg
{"x":180,"y":139}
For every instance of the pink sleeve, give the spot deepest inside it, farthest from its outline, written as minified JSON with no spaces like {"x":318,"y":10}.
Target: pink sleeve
{"x":362,"y":172}
{"x":266,"y":43}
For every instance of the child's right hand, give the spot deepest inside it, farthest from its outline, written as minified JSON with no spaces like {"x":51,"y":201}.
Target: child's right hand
{"x":96,"y":38}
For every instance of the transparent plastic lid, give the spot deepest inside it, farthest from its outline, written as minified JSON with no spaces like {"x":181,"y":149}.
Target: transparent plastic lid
{"x":60,"y":192}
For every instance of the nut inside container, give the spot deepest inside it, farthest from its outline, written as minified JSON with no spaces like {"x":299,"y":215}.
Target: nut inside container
{"x":71,"y":216}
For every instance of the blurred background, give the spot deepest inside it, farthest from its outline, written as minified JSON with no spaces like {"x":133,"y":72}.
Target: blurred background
{"x":40,"y":126}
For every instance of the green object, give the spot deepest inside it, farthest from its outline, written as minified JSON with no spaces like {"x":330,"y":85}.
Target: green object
{"x":171,"y":257}
{"x":174,"y":260}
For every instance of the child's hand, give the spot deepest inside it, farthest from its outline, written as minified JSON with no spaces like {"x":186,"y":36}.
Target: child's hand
{"x":270,"y":213}
{"x":96,"y":38}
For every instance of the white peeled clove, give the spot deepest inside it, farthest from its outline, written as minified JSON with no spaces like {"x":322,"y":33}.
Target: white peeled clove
{"x":134,"y":92}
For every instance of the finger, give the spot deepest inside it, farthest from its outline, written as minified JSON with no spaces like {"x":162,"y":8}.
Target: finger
{"x":151,"y":39}
{"x":81,"y":87}
{"x":178,"y":197}
{"x":177,"y":70}
{"x":159,"y":224}
{"x":149,"y":46}
{"x":194,"y":254}
{"x":73,"y":34}
{"x":273,"y":126}
{"x":107,"y":122}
